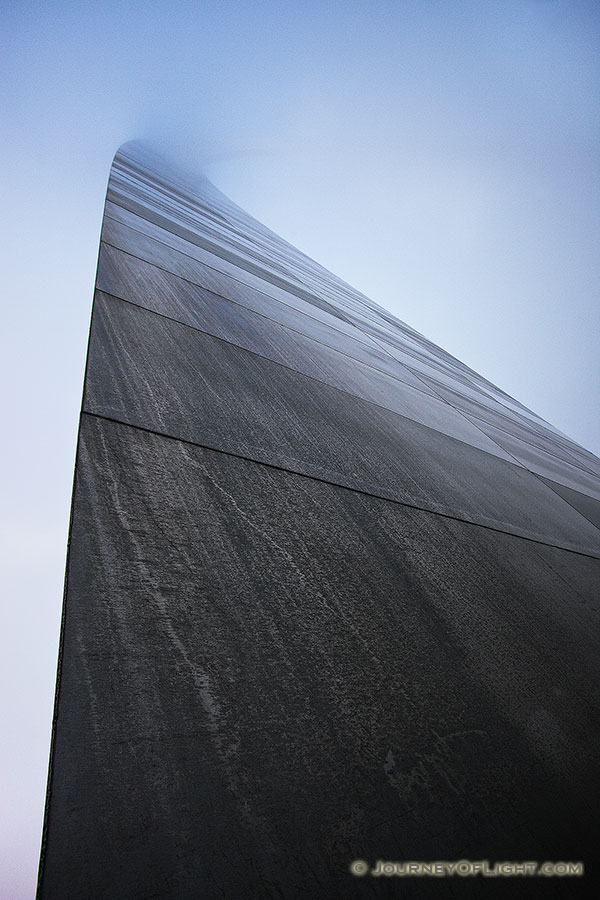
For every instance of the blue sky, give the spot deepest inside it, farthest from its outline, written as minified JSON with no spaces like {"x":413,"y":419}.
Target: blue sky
{"x":442,"y":157}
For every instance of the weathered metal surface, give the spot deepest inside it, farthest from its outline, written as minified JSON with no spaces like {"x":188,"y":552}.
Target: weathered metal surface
{"x":319,"y":604}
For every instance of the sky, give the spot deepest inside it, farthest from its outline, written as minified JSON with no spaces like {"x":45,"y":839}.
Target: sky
{"x":441,"y":156}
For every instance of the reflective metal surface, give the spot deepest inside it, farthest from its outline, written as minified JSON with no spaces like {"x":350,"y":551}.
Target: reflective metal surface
{"x":330,"y":594}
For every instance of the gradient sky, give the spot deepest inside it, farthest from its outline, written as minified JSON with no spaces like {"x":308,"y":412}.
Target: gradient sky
{"x":442,"y":157}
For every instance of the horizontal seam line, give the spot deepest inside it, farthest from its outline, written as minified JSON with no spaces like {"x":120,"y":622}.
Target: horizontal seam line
{"x":228,"y":245}
{"x":223,"y":210}
{"x":223,"y":217}
{"x":372,"y":341}
{"x":463,"y":413}
{"x":277,"y":300}
{"x":308,"y":337}
{"x":353,"y":325}
{"x":214,"y":269}
{"x":355,"y":490}
{"x":318,"y":380}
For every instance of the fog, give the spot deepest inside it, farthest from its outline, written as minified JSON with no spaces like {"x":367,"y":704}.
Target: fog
{"x":442,"y":157}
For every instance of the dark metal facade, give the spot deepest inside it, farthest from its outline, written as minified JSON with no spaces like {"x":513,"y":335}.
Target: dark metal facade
{"x":330,"y":595}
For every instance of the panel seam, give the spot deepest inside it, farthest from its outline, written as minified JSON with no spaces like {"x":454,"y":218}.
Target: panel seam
{"x":356,"y":490}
